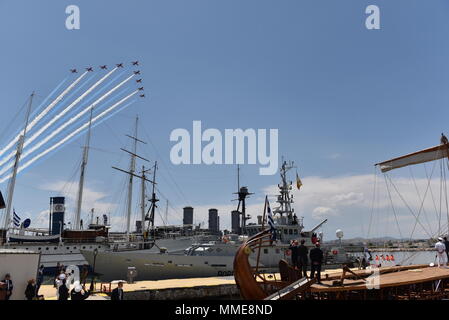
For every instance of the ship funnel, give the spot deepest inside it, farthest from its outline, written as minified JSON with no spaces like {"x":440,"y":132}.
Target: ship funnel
{"x":214,"y":221}
{"x":57,"y":211}
{"x":187,"y":216}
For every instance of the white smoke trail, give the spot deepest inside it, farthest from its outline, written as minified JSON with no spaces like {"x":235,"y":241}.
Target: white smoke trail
{"x":59,"y":115}
{"x":70,"y":136}
{"x":41,"y":115}
{"x":69,"y":122}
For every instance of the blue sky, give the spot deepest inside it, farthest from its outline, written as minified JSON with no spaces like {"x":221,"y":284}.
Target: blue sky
{"x":343,"y":97}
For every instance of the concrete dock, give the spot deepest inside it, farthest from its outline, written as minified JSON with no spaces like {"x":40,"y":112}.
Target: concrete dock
{"x":171,"y":289}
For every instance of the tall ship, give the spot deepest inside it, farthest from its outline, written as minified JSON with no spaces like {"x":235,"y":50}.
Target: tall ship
{"x":215,"y":258}
{"x":61,"y":243}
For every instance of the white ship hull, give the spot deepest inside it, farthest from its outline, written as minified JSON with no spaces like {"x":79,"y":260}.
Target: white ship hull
{"x":154,"y":266}
{"x":70,"y":254}
{"x":157,"y":266}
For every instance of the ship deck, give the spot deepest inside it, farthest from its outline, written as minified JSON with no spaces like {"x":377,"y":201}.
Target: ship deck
{"x":413,"y":275}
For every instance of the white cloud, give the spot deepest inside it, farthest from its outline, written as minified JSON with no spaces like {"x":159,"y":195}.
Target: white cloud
{"x":323,"y":212}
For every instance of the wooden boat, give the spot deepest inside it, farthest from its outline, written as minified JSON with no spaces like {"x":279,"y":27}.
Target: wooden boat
{"x":392,"y":283}
{"x":395,"y":283}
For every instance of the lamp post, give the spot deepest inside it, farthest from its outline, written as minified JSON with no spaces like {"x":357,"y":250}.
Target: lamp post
{"x":93,"y":270}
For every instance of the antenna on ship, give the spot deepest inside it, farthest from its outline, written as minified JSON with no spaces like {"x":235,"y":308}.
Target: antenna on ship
{"x":242,"y":193}
{"x":131,"y":173}
{"x":285,"y":199}
{"x":12,"y":181}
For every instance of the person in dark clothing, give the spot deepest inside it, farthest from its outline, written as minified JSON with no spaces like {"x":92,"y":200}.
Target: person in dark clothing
{"x":294,"y":253}
{"x":84,"y":274}
{"x":57,"y":273}
{"x":316,"y":259}
{"x":63,"y":291}
{"x":40,"y":278}
{"x":30,"y":291}
{"x":117,"y":293}
{"x":302,"y":259}
{"x":78,"y":293}
{"x":9,"y":286}
{"x":446,"y":244}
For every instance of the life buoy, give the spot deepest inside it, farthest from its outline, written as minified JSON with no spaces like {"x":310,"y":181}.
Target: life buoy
{"x":392,"y":257}
{"x":288,"y":252}
{"x":377,"y":258}
{"x":225,"y":239}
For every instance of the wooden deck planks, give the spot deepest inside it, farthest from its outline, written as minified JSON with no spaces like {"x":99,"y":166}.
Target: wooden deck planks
{"x":392,"y":279}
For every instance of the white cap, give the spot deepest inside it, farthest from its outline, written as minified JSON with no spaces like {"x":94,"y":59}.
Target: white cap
{"x":62,"y":276}
{"x":440,"y":239}
{"x":78,"y":288}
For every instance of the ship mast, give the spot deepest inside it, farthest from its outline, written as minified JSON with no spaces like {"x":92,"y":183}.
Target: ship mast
{"x":153,"y":200}
{"x":132,"y":174}
{"x":82,"y":175}
{"x":242,"y":193}
{"x":132,"y":169}
{"x":12,"y":182}
{"x":285,"y":199}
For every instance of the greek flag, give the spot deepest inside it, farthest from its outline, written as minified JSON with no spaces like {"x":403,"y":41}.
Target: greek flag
{"x":16,"y":219}
{"x":270,"y":221}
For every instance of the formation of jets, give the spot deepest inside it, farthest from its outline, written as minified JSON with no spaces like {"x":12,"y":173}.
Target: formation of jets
{"x":104,"y":67}
{"x":118,"y":65}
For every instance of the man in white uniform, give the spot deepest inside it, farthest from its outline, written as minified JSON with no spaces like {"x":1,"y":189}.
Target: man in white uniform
{"x":441,"y":252}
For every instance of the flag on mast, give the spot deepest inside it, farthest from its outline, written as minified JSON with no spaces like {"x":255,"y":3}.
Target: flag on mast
{"x":270,"y":220}
{"x":298,"y":181}
{"x":16,"y":219}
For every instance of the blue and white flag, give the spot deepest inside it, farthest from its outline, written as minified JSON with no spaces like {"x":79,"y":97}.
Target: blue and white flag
{"x":16,"y":219}
{"x":270,"y":221}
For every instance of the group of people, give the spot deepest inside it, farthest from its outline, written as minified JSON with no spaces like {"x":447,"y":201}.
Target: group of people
{"x":300,"y":259}
{"x":32,"y":288}
{"x":63,"y":291}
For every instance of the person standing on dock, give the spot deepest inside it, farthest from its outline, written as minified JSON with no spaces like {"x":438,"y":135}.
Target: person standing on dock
{"x":9,"y":286}
{"x":40,"y":278}
{"x":316,"y":259}
{"x":441,"y":252}
{"x":117,"y":293}
{"x":294,"y":252}
{"x":57,"y":273}
{"x":30,"y":291}
{"x":302,"y":259}
{"x":446,"y":244}
{"x":63,"y":290}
